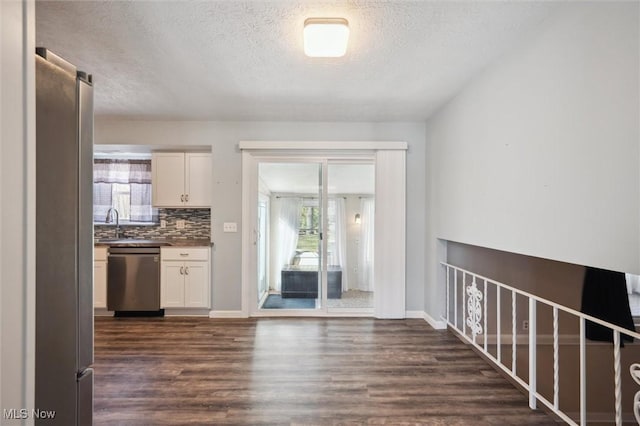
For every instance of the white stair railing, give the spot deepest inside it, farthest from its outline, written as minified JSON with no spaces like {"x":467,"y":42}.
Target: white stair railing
{"x":474,"y":312}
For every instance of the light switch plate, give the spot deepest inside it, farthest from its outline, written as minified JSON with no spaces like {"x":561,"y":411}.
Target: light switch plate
{"x":163,"y":224}
{"x":180,"y":224}
{"x":230,"y":227}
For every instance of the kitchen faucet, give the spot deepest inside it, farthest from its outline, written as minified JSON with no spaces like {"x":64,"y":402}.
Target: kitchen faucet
{"x":109,"y":219}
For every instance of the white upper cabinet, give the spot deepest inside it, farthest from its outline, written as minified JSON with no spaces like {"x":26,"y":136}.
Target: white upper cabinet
{"x":181,"y":179}
{"x":167,"y":181}
{"x":198,"y":179}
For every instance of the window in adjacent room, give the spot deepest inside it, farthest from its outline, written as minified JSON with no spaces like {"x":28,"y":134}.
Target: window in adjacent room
{"x":307,"y":248}
{"x":309,"y":231}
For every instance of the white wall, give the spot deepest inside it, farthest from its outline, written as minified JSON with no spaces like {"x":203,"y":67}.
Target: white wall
{"x":540,"y":153}
{"x":17,"y":207}
{"x":223,"y":139}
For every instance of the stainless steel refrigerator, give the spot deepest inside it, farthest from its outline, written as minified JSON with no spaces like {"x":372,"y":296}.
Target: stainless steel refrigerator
{"x":64,"y":241}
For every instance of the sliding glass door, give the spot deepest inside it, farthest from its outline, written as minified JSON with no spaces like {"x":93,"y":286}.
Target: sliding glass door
{"x":315,"y":236}
{"x":291,"y":237}
{"x":350,"y":236}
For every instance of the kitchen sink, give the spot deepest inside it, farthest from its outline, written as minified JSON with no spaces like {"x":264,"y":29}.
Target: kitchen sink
{"x":131,"y":242}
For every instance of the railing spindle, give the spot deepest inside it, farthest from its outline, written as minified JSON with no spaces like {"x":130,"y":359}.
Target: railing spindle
{"x":455,"y":298}
{"x":583,"y":374}
{"x":472,"y":318}
{"x":464,"y":304}
{"x":498,"y":327}
{"x":616,"y":372}
{"x":556,"y":360}
{"x":448,"y":303}
{"x":486,"y":302}
{"x":533,"y":361}
{"x":513,"y":332}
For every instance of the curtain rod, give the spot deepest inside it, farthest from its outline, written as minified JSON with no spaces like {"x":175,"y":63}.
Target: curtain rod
{"x":315,"y":198}
{"x":306,"y":198}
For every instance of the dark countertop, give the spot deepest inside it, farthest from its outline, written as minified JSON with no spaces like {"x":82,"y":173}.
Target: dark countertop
{"x":168,"y":242}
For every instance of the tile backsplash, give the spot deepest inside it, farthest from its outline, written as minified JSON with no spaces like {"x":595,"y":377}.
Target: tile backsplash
{"x":197,"y":226}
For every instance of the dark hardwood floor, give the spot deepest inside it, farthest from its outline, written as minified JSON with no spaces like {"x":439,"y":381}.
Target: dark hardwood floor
{"x":302,"y":371}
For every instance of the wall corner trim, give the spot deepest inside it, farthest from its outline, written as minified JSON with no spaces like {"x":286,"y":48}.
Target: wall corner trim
{"x":436,"y":324}
{"x":227,"y":314}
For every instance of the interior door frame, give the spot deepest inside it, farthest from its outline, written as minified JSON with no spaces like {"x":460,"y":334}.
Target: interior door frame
{"x":389,"y":261}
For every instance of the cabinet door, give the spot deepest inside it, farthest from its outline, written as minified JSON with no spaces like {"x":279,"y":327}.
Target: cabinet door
{"x":196,"y":285}
{"x":167,"y":170}
{"x":172,"y":285}
{"x":198,"y":179}
{"x":99,"y":284}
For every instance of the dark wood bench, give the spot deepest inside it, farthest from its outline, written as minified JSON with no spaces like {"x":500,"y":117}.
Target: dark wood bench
{"x":302,"y":282}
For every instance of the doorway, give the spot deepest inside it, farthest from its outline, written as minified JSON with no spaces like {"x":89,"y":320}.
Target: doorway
{"x":312,"y":228}
{"x":292,"y":237}
{"x":319,"y":255}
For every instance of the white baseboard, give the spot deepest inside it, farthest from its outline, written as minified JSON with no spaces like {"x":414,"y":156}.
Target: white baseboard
{"x":185,"y":312}
{"x":438,"y":325}
{"x":227,"y":314}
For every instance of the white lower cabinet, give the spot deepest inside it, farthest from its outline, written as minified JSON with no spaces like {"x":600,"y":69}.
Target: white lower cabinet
{"x":184,"y":277}
{"x":171,"y":284}
{"x":100,"y":277}
{"x":196,"y":285}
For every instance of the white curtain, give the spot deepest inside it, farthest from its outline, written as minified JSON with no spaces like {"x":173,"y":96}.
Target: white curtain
{"x":286,"y":214}
{"x":365,"y":255}
{"x":338,"y":241}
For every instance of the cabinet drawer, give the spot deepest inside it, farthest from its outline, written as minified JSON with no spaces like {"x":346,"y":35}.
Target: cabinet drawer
{"x":184,"y":253}
{"x":100,"y":253}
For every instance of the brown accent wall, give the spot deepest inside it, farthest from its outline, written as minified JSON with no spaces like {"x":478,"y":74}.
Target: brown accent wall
{"x":556,"y":281}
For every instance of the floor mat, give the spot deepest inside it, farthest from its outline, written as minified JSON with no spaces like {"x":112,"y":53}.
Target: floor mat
{"x":275,"y":301}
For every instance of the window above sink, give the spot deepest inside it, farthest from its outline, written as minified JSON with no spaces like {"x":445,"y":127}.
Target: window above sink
{"x":123,"y":182}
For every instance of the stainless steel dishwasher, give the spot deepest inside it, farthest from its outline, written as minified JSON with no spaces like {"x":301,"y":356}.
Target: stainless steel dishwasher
{"x":133,"y":279}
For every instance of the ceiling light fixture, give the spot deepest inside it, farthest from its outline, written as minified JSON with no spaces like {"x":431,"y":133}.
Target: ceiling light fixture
{"x":326,"y":37}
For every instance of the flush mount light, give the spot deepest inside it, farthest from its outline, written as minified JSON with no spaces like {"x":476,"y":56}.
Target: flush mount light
{"x":326,"y":37}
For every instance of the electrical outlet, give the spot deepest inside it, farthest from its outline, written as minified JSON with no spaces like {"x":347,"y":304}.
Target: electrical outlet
{"x":525,"y":325}
{"x":230,"y":227}
{"x":163,"y":224}
{"x":180,"y":224}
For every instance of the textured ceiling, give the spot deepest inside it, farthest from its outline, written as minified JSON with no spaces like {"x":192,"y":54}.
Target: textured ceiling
{"x":244,"y":60}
